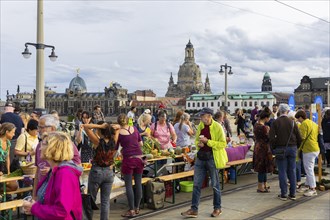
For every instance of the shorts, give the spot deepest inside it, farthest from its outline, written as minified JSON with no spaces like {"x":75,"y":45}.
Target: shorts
{"x":132,"y":166}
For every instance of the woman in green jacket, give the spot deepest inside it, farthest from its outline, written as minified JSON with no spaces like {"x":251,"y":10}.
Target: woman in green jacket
{"x":310,"y":150}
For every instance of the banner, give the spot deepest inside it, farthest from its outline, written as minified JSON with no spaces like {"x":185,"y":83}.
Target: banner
{"x":317,"y":100}
{"x":291,"y":103}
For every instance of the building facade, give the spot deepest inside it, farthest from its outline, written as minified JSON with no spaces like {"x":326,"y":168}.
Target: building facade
{"x":189,"y":78}
{"x":235,"y":100}
{"x":112,"y":100}
{"x":309,"y":89}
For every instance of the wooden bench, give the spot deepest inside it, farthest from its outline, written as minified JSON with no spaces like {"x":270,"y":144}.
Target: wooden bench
{"x":175,"y":176}
{"x":10,"y":206}
{"x":21,"y":190}
{"x":236,"y":163}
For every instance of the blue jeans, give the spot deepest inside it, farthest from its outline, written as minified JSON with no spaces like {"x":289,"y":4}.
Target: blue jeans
{"x":101,"y":178}
{"x":262,"y":177}
{"x":287,"y":170}
{"x":201,"y":168}
{"x":298,"y":170}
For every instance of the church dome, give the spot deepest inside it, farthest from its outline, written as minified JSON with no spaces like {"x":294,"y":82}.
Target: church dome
{"x":266,"y":76}
{"x":189,"y":45}
{"x":78,"y":84}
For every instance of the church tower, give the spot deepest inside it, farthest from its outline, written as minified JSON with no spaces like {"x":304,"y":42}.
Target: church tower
{"x":266,"y":83}
{"x":189,"y":77}
{"x":207,"y":87}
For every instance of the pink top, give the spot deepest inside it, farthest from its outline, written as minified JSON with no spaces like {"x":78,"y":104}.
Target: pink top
{"x":62,"y":198}
{"x":163,"y":134}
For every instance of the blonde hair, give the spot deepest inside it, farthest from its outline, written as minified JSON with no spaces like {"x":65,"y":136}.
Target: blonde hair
{"x":143,"y":118}
{"x":58,"y":147}
{"x":184,"y":117}
{"x":25,"y":118}
{"x":122,"y":119}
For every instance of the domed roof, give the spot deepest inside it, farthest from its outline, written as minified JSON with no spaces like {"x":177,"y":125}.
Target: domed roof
{"x":266,"y":75}
{"x":189,"y":45}
{"x":77,"y":84}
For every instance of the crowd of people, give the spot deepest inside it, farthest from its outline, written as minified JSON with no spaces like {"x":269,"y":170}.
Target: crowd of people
{"x":290,"y":136}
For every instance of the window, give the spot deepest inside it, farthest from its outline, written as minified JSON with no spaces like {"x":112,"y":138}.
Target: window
{"x":268,"y":103}
{"x":236,"y":104}
{"x":193,"y":105}
{"x":250,"y":104}
{"x":212,"y":104}
{"x":222,"y":103}
{"x":198,"y":105}
{"x":255,"y":103}
{"x":228,"y":104}
{"x":245,"y":104}
{"x":218,"y":104}
{"x":188,"y":104}
{"x":262,"y":103}
{"x":203,"y":104}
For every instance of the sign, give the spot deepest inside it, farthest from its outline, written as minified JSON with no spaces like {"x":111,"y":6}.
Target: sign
{"x":291,"y":103}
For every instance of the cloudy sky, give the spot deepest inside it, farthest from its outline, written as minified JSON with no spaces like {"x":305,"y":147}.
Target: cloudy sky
{"x":139,"y":43}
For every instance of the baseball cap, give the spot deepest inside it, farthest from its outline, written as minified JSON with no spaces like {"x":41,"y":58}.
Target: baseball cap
{"x":206,"y":111}
{"x":9,"y":104}
{"x":161,"y":106}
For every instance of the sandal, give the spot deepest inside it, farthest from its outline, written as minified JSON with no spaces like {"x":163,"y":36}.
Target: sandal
{"x":129,"y":214}
{"x":263,"y":191}
{"x":137,"y":211}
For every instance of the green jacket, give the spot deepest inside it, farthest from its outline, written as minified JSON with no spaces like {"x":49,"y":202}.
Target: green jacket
{"x":217,"y":143}
{"x":309,"y":143}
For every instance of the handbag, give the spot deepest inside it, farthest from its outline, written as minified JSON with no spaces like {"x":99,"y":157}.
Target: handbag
{"x":15,"y":165}
{"x":280,"y":152}
{"x":88,"y":204}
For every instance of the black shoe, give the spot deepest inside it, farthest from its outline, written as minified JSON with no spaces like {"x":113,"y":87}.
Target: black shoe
{"x":292,"y":197}
{"x":283,"y":198}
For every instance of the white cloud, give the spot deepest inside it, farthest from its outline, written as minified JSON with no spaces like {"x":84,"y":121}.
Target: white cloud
{"x":139,"y":43}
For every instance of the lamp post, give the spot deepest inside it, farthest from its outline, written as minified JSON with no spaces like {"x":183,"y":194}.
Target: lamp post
{"x":328,"y":100}
{"x":40,"y":46}
{"x":226,"y":83}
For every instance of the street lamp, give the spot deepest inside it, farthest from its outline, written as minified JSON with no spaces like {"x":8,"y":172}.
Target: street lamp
{"x":226,"y":84}
{"x":328,"y":100}
{"x":40,"y":46}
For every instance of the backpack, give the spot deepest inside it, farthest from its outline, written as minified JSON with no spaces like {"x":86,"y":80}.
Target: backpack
{"x":155,"y":194}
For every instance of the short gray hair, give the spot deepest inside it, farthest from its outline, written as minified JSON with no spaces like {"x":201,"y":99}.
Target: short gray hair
{"x":283,"y":108}
{"x":50,"y":120}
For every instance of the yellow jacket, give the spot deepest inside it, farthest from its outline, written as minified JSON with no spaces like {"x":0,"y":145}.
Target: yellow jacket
{"x":217,"y":143}
{"x":309,"y":132}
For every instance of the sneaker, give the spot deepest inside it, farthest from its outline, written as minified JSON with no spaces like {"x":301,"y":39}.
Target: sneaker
{"x":216,"y":212}
{"x":190,"y":213}
{"x":292,"y":197}
{"x":310,"y":193}
{"x":283,"y":198}
{"x":302,"y":189}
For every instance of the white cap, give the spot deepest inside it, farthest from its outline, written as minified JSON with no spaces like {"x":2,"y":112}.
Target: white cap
{"x":147,"y":111}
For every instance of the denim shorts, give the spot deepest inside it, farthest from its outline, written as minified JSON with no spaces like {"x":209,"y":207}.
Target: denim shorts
{"x":132,"y":165}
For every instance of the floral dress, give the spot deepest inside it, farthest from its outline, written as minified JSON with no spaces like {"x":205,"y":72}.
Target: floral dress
{"x":262,"y":155}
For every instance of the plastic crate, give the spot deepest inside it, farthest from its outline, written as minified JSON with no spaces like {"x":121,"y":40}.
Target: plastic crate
{"x":187,"y":186}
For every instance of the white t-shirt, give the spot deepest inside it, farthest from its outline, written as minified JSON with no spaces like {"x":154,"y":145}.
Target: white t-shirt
{"x":183,"y":138}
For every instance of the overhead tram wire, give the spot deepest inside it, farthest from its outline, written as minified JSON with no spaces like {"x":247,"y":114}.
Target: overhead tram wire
{"x":302,"y":11}
{"x":267,"y":16}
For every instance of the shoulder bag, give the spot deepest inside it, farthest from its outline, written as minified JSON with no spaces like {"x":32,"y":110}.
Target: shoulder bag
{"x":280,"y":151}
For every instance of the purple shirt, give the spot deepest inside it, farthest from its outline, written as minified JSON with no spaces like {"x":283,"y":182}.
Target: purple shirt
{"x":130,"y":144}
{"x":38,"y":160}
